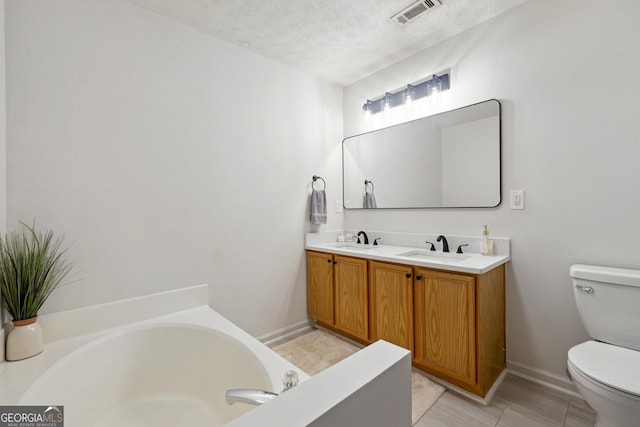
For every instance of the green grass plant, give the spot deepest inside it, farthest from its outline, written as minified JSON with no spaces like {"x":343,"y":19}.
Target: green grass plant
{"x":32,"y":265}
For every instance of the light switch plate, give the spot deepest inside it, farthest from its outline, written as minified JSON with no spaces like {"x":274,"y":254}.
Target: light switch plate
{"x":516,"y":199}
{"x":338,"y":206}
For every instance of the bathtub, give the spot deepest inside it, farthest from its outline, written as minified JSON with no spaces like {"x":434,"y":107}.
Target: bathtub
{"x":167,"y":359}
{"x":160,"y":375}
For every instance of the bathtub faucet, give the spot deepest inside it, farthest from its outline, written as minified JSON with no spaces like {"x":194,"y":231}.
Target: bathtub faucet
{"x":248,"y":395}
{"x":258,"y":397}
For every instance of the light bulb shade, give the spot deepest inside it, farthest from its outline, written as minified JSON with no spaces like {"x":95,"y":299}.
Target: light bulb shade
{"x":429,"y":88}
{"x":435,"y":86}
{"x":367,"y":109}
{"x":408,"y":96}
{"x":387,"y":102}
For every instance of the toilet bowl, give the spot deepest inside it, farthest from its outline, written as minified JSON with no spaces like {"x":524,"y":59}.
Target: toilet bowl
{"x":606,"y":370}
{"x":608,"y":378}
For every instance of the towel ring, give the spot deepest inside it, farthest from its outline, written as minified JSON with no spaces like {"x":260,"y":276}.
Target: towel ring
{"x":366,"y":181}
{"x":315,"y":178}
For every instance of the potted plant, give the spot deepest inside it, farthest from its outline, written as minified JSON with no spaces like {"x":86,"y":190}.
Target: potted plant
{"x":32,"y":265}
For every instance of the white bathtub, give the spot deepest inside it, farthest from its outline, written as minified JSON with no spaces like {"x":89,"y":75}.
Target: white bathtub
{"x":164,"y":359}
{"x":160,"y":375}
{"x":167,"y":359}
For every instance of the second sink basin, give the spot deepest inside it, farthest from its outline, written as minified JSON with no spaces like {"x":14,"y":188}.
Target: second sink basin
{"x":436,"y":256}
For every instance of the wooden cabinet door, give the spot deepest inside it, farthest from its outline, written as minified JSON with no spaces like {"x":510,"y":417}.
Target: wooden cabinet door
{"x":445,"y":341}
{"x":391,"y":303}
{"x":320,"y":286}
{"x":351,"y":296}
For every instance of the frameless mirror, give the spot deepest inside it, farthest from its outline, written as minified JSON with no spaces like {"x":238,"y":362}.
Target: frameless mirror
{"x":448,"y":160}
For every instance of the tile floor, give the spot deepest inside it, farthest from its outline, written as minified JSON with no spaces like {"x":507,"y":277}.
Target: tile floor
{"x":517,"y":403}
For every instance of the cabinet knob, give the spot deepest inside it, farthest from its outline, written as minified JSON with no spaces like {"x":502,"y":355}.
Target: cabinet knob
{"x":418,"y":277}
{"x":328,"y":260}
{"x":408,"y":275}
{"x":335,"y":262}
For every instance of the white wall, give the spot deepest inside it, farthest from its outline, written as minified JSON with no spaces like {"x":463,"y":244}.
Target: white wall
{"x":3,"y":129}
{"x":566,"y":73}
{"x":167,"y":157}
{"x":3,"y":160}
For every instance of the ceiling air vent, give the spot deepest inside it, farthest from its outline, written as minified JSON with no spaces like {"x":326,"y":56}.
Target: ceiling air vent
{"x":415,"y":9}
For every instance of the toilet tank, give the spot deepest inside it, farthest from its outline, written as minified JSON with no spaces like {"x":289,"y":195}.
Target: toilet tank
{"x":608,"y":301}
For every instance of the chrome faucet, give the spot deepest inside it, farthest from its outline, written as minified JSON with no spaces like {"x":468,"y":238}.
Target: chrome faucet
{"x":253,"y":396}
{"x":445,"y":244}
{"x":248,"y":395}
{"x":366,"y":238}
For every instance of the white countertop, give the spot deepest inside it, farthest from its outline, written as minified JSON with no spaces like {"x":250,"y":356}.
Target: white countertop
{"x":473,"y":263}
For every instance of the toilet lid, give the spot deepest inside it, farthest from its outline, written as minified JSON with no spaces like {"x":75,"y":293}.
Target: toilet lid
{"x":616,"y":367}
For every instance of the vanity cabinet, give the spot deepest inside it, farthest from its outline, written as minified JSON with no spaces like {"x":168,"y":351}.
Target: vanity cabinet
{"x":337,"y":293}
{"x":453,"y":323}
{"x":391,"y":303}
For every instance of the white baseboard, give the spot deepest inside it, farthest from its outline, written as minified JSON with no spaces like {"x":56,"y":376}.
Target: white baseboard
{"x":545,"y":378}
{"x":272,"y":339}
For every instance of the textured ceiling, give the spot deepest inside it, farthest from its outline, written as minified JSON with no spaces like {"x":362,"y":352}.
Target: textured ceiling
{"x":340,"y":41}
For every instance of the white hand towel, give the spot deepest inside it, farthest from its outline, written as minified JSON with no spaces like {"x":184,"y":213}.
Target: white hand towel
{"x":318,"y":207}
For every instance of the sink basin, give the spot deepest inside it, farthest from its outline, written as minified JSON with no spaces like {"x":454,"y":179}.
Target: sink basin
{"x":436,"y":256}
{"x":352,"y":245}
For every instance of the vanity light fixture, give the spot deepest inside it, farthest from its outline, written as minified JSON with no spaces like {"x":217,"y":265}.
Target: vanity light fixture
{"x":408,"y":96}
{"x":434,"y":88}
{"x":430,"y":87}
{"x":367,"y":108}
{"x":387,"y":102}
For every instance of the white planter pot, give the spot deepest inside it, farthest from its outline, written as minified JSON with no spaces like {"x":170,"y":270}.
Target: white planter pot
{"x":24,"y":340}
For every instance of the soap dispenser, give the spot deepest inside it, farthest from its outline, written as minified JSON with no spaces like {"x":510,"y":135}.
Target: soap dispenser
{"x":486,"y":245}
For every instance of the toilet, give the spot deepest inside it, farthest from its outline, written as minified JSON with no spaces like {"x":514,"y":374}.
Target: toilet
{"x":606,"y":369}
